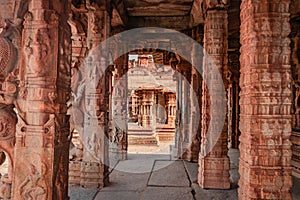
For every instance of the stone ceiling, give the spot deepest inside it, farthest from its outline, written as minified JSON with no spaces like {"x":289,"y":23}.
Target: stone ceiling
{"x":173,"y":14}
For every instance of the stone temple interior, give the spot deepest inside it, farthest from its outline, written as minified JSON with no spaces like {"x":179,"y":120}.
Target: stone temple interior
{"x":149,"y":99}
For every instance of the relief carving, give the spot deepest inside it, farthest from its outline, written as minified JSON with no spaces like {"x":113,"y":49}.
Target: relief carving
{"x":34,"y":186}
{"x":93,"y":145}
{"x":8,"y":121}
{"x":37,"y":50}
{"x":118,"y":135}
{"x":7,"y":57}
{"x":11,"y":30}
{"x":78,"y":102}
{"x":96,"y":19}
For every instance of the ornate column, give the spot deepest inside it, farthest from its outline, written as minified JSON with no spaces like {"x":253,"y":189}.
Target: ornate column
{"x":140,"y":107}
{"x":147,"y":103}
{"x":43,"y":133}
{"x":295,"y":66}
{"x":178,"y":122}
{"x":119,"y":109}
{"x":94,"y":168}
{"x":196,"y":84}
{"x":171,"y":109}
{"x":185,"y":138}
{"x":214,"y":167}
{"x":265,"y":119}
{"x":76,"y":110}
{"x":233,"y":90}
{"x":10,"y":48}
{"x":135,"y":106}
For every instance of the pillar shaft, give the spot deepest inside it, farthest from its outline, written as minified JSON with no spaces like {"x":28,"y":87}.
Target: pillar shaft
{"x":195,"y":96}
{"x":265,"y":119}
{"x":94,"y":168}
{"x":185,"y":139}
{"x":42,"y":137}
{"x":214,"y":167}
{"x":119,"y":109}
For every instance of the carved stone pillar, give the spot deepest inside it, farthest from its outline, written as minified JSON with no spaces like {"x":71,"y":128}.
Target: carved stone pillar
{"x":147,"y":103}
{"x":171,"y":109}
{"x":94,"y":168}
{"x":133,"y":107}
{"x":10,"y":45}
{"x":295,"y":66}
{"x":76,"y":110}
{"x":186,"y":106}
{"x":233,"y":91}
{"x":140,"y":107}
{"x":265,"y":119}
{"x":119,"y":109}
{"x":178,"y":122}
{"x":195,"y":125}
{"x":214,"y":167}
{"x":160,"y":111}
{"x":43,"y":133}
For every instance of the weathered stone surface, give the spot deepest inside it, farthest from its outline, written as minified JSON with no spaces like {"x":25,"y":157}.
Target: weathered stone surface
{"x":124,"y":195}
{"x":166,"y":193}
{"x":162,"y":178}
{"x":42,"y":134}
{"x":79,"y":193}
{"x":35,"y":80}
{"x":214,"y":157}
{"x":265,"y":119}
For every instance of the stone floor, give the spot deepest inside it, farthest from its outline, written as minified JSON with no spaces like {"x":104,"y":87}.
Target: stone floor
{"x":158,"y":177}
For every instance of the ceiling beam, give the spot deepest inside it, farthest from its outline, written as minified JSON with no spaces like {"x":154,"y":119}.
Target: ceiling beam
{"x":176,"y":23}
{"x":119,"y":13}
{"x":197,"y":13}
{"x":142,"y":8}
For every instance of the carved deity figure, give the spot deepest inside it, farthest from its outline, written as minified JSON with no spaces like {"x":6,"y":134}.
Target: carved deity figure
{"x":8,"y":93}
{"x":31,"y":188}
{"x":93,"y":145}
{"x":118,"y":135}
{"x":37,"y":52}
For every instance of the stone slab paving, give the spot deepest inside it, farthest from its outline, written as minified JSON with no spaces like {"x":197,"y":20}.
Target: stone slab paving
{"x":167,"y":193}
{"x":203,"y":194}
{"x":140,"y":163}
{"x":168,"y":180}
{"x":122,"y":181}
{"x":118,"y":195}
{"x":192,"y":170}
{"x":170,"y":173}
{"x":78,"y":193}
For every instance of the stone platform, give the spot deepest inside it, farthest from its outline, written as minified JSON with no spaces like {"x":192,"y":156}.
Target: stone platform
{"x":138,"y":135}
{"x":155,"y":176}
{"x":165,"y":132}
{"x":141,"y":135}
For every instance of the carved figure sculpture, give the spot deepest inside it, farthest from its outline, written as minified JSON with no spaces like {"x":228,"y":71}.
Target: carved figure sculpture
{"x":34,"y":189}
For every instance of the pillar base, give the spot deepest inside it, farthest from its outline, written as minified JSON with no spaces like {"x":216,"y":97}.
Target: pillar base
{"x":214,"y":173}
{"x":74,"y":172}
{"x":275,"y":182}
{"x":92,"y":175}
{"x":117,"y":154}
